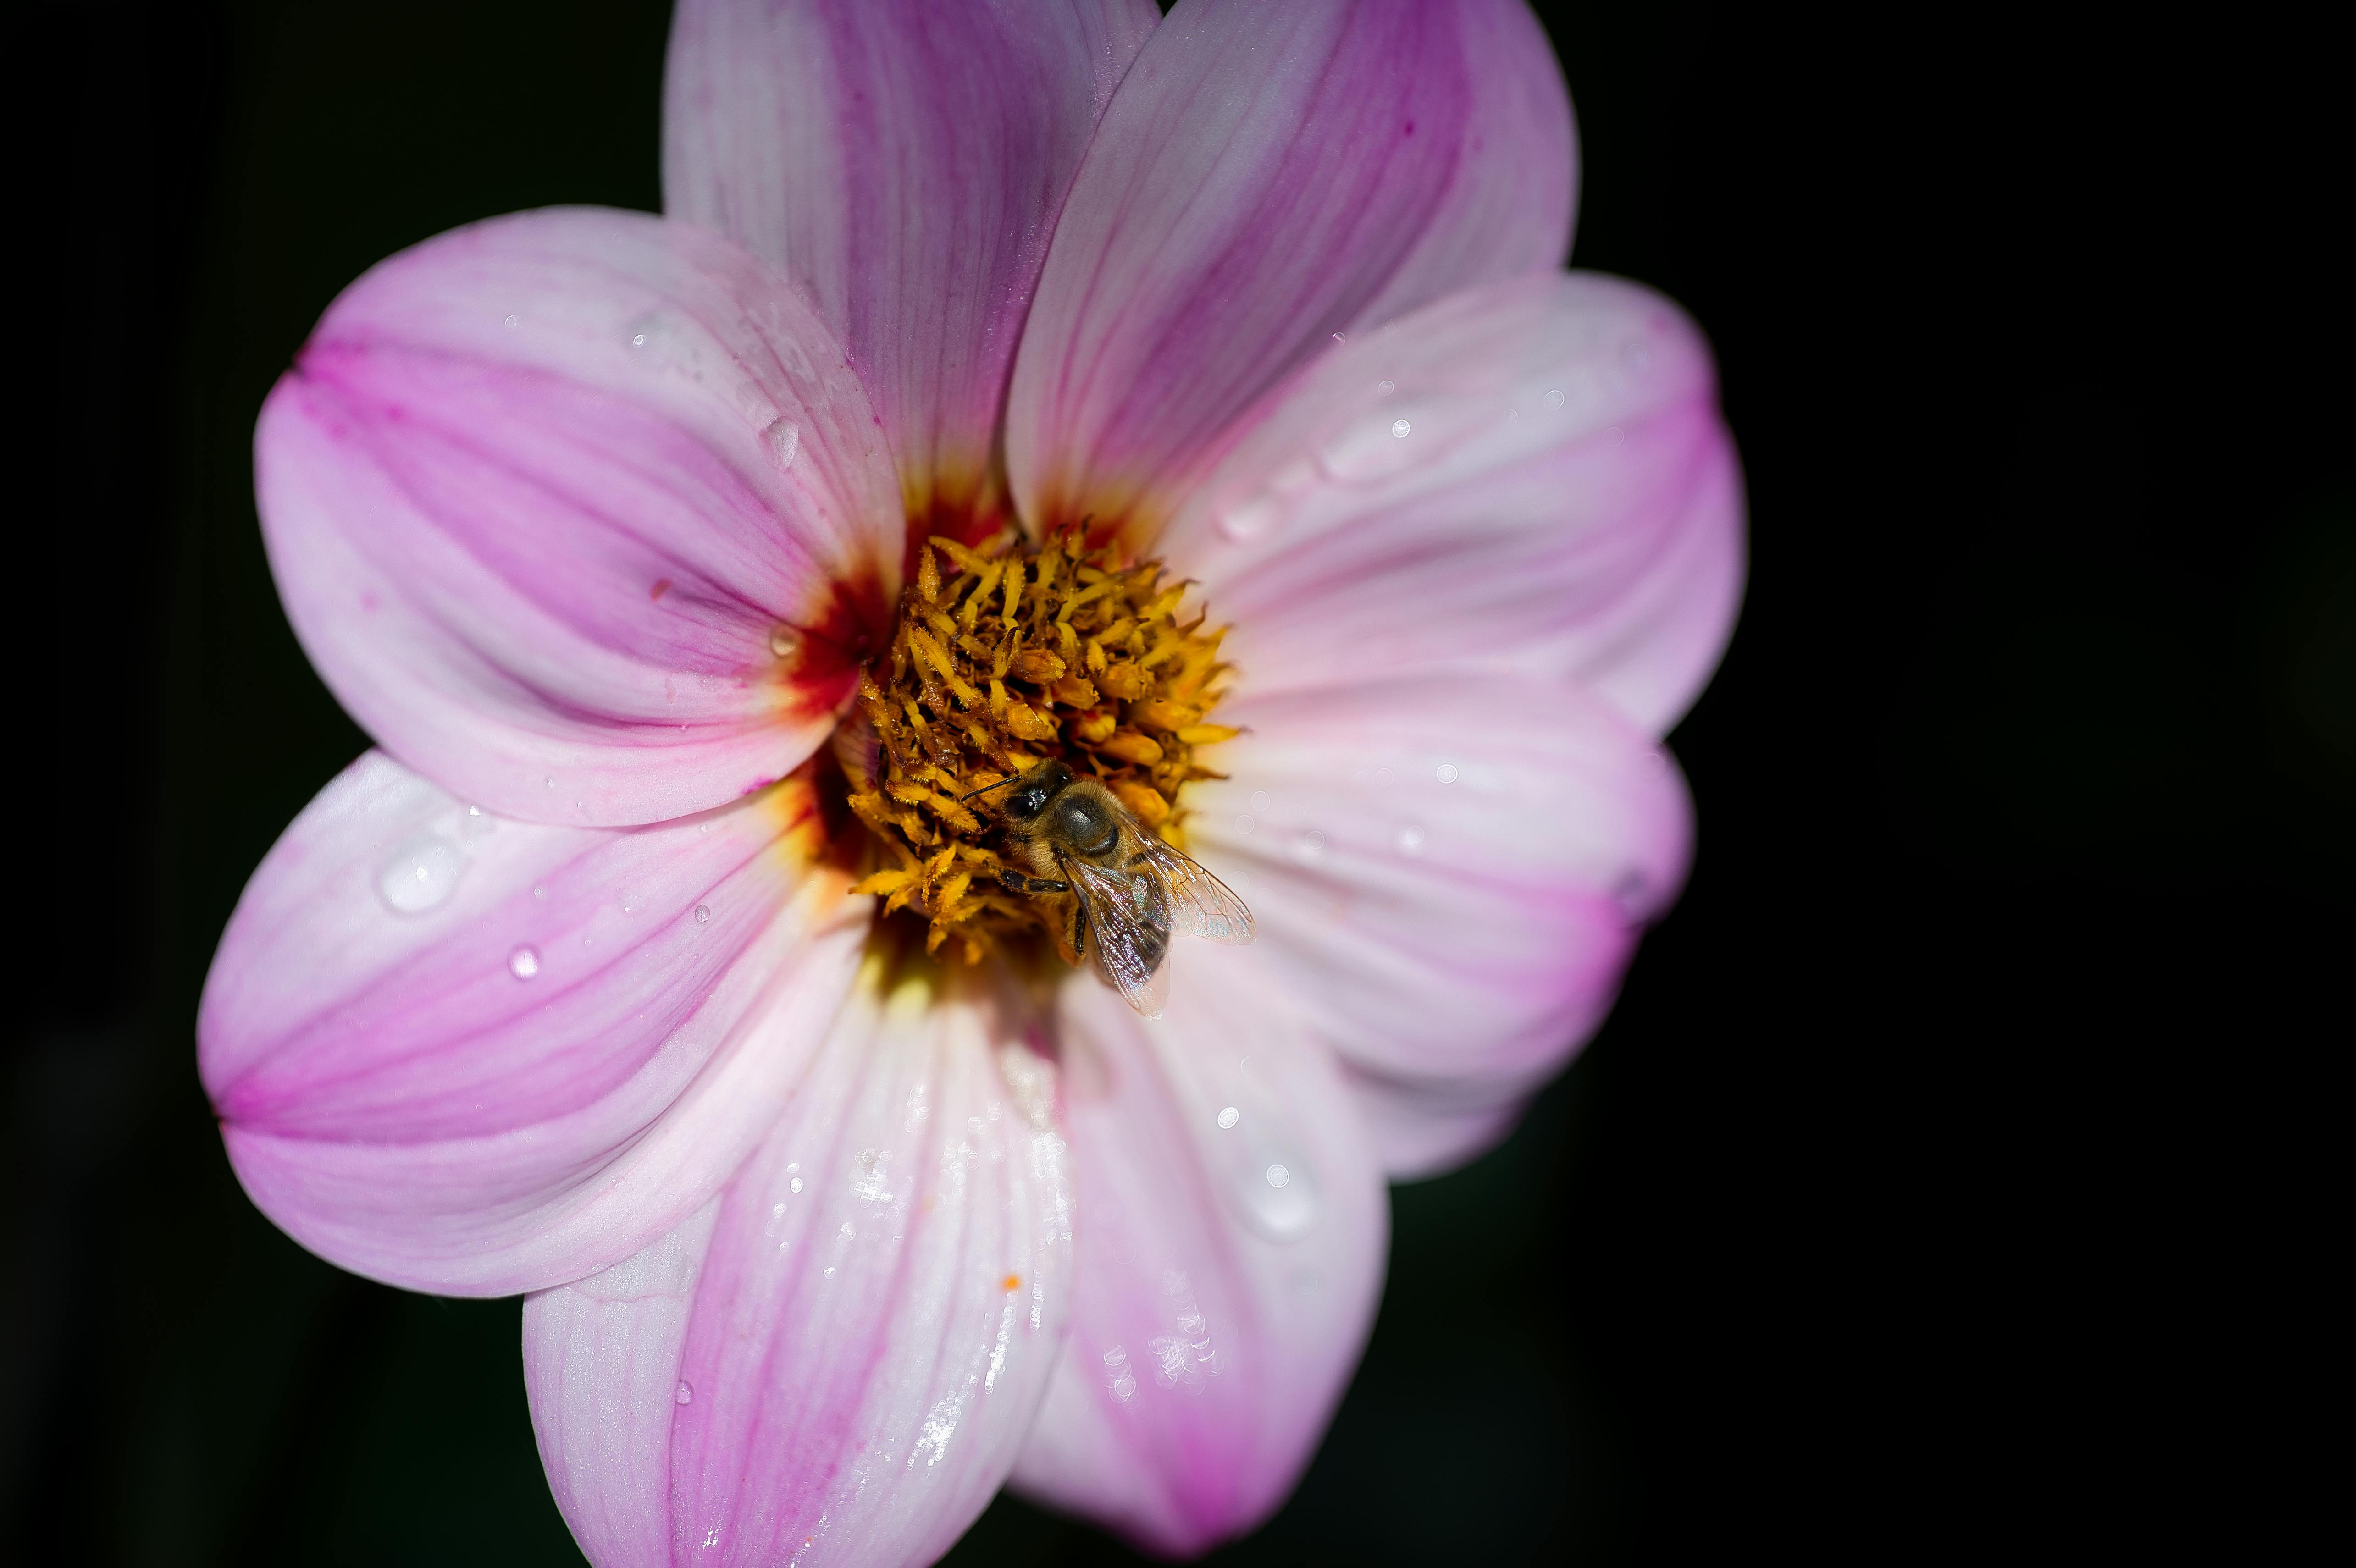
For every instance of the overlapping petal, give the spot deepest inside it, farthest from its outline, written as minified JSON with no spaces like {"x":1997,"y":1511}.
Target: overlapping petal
{"x":904,"y":162}
{"x":1270,"y":177}
{"x":581,"y":514}
{"x":1450,"y":873}
{"x":1232,"y":1230}
{"x":473,"y":1055}
{"x":836,"y":1361}
{"x":1533,"y":477}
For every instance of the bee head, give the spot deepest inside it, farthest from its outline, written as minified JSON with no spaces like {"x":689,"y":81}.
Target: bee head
{"x":1034,"y":789}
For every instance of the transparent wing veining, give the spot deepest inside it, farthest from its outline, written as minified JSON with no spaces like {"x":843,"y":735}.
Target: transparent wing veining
{"x":1199,"y":903}
{"x":1128,"y":931}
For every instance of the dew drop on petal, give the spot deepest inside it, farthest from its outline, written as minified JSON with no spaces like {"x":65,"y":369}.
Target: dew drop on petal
{"x":784,"y":642}
{"x":1384,"y":387}
{"x":686,"y":1394}
{"x":704,"y":914}
{"x":1245,"y":824}
{"x":1636,"y":355}
{"x":1309,"y":844}
{"x":1553,"y":400}
{"x":1262,"y":800}
{"x":1399,"y":428}
{"x":1230,"y":1116}
{"x":1446,"y":772}
{"x":512,"y":321}
{"x":1278,"y":1177}
{"x":1411,"y":840}
{"x":420,"y":874}
{"x":785,"y":439}
{"x":795,"y":1185}
{"x":524,"y":962}
{"x":541,"y":893}
{"x":637,"y":340}
{"x":550,"y":782}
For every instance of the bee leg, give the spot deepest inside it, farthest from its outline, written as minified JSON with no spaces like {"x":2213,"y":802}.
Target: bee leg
{"x":1014,"y":881}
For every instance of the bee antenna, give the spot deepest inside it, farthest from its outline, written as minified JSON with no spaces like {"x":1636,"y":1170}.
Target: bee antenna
{"x":986,"y":788}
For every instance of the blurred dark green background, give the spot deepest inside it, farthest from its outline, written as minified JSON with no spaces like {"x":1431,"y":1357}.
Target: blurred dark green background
{"x":1944,"y":1180}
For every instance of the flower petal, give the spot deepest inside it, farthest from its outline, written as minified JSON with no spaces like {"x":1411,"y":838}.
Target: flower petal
{"x":541,"y":494}
{"x":1232,"y":1228}
{"x":478,"y":1056}
{"x":1530,"y":477}
{"x":1271,"y":177}
{"x":836,"y":1361}
{"x":1450,"y":874}
{"x":904,"y":162}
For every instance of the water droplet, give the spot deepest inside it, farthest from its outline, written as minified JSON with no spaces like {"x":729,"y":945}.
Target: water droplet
{"x":793,"y":1166}
{"x":1230,"y":1116}
{"x":637,"y":340}
{"x":549,"y":782}
{"x":784,"y":642}
{"x":1399,"y":429}
{"x":540,"y":893}
{"x":704,"y":914}
{"x":420,"y":874}
{"x":785,"y":439}
{"x":1636,"y":355}
{"x":795,"y":1185}
{"x":1411,"y":840}
{"x":1245,"y":824}
{"x":686,"y":1394}
{"x":1384,"y":387}
{"x":1249,"y":520}
{"x":1382,"y":776}
{"x":1339,"y":338}
{"x":524,"y":962}
{"x":1309,"y":846}
{"x":1616,"y":433}
{"x":1553,"y":400}
{"x":1262,"y":800}
{"x":1446,"y":772}
{"x":1279,"y":1178}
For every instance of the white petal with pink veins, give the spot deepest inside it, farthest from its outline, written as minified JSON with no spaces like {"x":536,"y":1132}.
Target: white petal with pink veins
{"x":904,"y":162}
{"x":581,"y":515}
{"x":1269,"y":176}
{"x":1531,"y":477}
{"x":462,"y":1054}
{"x":1450,"y":874}
{"x":837,"y":1361}
{"x":1230,"y":1245}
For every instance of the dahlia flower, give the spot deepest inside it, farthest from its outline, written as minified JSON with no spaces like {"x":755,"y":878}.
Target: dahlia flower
{"x":1198,"y":402}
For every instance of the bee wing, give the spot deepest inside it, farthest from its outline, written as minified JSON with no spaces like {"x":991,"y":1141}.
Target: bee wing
{"x":1199,"y":901}
{"x":1123,"y":937}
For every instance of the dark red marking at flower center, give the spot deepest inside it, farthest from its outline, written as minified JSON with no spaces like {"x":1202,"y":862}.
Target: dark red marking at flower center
{"x":820,"y":676}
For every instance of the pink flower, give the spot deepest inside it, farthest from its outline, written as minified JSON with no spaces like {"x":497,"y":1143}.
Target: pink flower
{"x":594,"y":520}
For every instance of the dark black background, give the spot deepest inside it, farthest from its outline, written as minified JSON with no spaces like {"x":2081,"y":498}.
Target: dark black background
{"x":1949,"y":1180}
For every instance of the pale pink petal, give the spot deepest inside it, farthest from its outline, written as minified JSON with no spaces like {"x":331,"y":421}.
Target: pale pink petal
{"x":580,"y":514}
{"x":476,"y":1056}
{"x":1450,"y":875}
{"x":1232,"y":1230}
{"x":1268,"y":177}
{"x":1533,"y":477}
{"x":904,"y":161}
{"x":836,"y":1362}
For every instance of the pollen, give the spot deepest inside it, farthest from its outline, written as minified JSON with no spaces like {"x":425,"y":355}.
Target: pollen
{"x":1006,"y":655}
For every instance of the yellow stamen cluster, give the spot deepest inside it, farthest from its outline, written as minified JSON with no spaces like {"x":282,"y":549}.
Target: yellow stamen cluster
{"x":1020,"y":655}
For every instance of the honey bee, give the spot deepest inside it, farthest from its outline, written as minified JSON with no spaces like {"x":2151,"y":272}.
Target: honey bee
{"x":1132,"y":889}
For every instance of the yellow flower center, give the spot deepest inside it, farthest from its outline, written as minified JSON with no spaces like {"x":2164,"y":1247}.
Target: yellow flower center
{"x":1007,"y":654}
